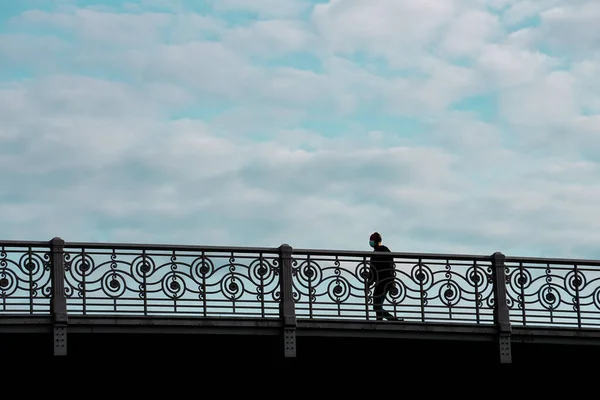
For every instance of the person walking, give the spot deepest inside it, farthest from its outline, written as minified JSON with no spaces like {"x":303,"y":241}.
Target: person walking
{"x":382,"y":268}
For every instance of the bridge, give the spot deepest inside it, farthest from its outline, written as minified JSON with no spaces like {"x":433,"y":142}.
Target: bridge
{"x":292,"y":305}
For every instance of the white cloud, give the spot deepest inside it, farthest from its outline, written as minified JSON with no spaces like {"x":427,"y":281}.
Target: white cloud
{"x":505,"y":65}
{"x":397,"y":29}
{"x":271,"y":38}
{"x":190,"y":130}
{"x":519,"y":11}
{"x":23,"y":48}
{"x":547,"y":101}
{"x":263,"y":8}
{"x":95,"y":27}
{"x":189,"y":174}
{"x":572,"y":27}
{"x":470,"y":32}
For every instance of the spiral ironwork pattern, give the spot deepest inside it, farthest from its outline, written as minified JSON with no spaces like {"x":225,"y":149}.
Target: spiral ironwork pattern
{"x":547,"y":294}
{"x":244,"y":282}
{"x":25,"y":286}
{"x":167,"y":282}
{"x":421,"y":290}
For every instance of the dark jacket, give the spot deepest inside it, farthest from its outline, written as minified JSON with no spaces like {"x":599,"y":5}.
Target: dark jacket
{"x":382,"y":263}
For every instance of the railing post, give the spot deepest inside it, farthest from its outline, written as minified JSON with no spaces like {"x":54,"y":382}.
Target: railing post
{"x":58,"y":302}
{"x":501,"y":315}
{"x":287,"y":308}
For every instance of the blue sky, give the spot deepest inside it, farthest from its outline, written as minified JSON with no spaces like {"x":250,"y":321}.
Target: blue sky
{"x":448,"y":126}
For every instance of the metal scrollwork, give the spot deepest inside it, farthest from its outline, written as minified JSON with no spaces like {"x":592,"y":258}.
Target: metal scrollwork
{"x":173,"y":285}
{"x":232,"y":287}
{"x":450,"y":293}
{"x":156,"y":281}
{"x":549,"y":297}
{"x":520,"y":279}
{"x":596,"y":298}
{"x":142,"y":267}
{"x":171,"y":282}
{"x":546,"y":294}
{"x":202,"y":268}
{"x":422,"y":276}
{"x":81,"y":266}
{"x":574,"y":281}
{"x":331,"y":287}
{"x":113,"y":284}
{"x":398,"y":291}
{"x":339,"y":290}
{"x":25,"y":285}
{"x":9,"y":282}
{"x":308,"y":272}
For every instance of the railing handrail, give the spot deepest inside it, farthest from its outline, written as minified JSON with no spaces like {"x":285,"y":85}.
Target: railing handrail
{"x":168,"y":247}
{"x":400,"y":255}
{"x":553,"y":261}
{"x":142,"y":246}
{"x":310,"y":252}
{"x":23,"y":243}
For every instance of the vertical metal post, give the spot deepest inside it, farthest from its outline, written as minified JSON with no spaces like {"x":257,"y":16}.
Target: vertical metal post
{"x":577,"y":281}
{"x":287,"y":308}
{"x":501,"y":315}
{"x":58,"y":302}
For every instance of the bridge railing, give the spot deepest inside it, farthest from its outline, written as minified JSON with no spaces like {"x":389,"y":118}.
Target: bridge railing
{"x":557,"y":292}
{"x":25,"y":278}
{"x":426,"y":287}
{"x":166,"y":280}
{"x":43,"y":278}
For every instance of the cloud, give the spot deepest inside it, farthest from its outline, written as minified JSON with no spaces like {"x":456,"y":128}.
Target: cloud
{"x":569,"y":28}
{"x":271,"y":38}
{"x":455,"y":126}
{"x":263,"y":8}
{"x":470,"y":32}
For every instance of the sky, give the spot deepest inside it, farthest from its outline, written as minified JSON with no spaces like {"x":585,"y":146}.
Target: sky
{"x":449,"y":126}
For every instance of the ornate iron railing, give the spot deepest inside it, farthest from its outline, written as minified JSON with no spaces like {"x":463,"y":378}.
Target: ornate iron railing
{"x":162,"y":280}
{"x":557,"y":292}
{"x":148,"y":280}
{"x":426,"y":288}
{"x":25,"y":281}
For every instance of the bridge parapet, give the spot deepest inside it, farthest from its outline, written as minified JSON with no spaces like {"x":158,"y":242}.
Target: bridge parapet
{"x":74,"y":279}
{"x":553,"y":292}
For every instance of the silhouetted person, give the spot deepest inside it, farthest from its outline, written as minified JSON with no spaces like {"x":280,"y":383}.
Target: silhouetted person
{"x":382,"y":268}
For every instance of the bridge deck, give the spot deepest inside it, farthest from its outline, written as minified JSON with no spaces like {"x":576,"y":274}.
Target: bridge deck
{"x":317,"y":341}
{"x":311,"y":302}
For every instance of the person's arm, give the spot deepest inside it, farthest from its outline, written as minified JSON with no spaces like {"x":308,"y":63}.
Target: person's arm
{"x":391,"y":261}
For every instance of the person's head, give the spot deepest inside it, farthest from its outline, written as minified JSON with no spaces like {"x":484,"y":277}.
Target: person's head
{"x":375,"y":239}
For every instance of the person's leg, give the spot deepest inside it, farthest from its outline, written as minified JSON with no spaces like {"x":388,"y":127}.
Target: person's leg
{"x":387,"y":284}
{"x":378,"y":297}
{"x":389,"y":316}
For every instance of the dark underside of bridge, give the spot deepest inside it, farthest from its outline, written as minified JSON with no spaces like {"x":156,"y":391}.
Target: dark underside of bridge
{"x":316,"y":341}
